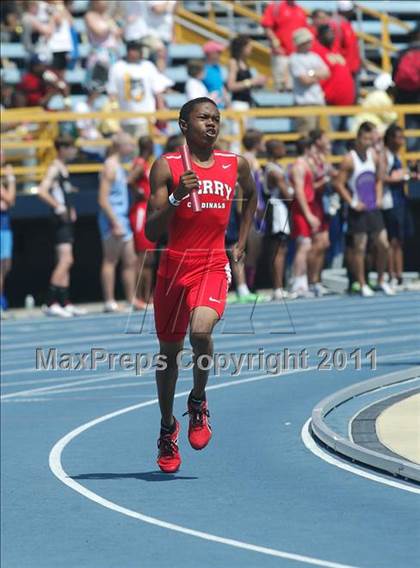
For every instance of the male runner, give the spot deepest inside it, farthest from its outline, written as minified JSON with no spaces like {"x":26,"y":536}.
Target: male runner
{"x":193,"y":276}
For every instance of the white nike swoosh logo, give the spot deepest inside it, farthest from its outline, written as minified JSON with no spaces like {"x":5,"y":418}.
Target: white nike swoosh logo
{"x":225,"y":167}
{"x":211,"y":299}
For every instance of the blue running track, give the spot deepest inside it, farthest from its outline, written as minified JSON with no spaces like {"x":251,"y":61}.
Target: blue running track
{"x":79,"y":480}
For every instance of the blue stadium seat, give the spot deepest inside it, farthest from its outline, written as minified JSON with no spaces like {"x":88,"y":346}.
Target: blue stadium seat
{"x":175,"y":100}
{"x":13,"y":51}
{"x":177,"y":74}
{"x":84,"y":50}
{"x":10,"y":75}
{"x":272,"y":125}
{"x":398,"y":7}
{"x":76,"y":76}
{"x":79,"y":6}
{"x":375,"y":27}
{"x":79,"y":25}
{"x":272,"y":99}
{"x":185,"y":51}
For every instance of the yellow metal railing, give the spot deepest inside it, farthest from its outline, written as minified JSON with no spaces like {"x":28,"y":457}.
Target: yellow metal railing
{"x":48,"y":125}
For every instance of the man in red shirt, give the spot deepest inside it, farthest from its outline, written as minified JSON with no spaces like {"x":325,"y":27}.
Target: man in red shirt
{"x":339,"y":87}
{"x":347,"y":38}
{"x":280,"y":20}
{"x":193,"y":275}
{"x":37,"y":90}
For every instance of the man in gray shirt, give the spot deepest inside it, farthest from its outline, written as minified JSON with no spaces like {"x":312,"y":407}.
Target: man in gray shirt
{"x":307,"y":70}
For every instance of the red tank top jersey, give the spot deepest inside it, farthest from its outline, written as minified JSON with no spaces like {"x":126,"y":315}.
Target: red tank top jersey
{"x":189,"y":231}
{"x":308,"y":187}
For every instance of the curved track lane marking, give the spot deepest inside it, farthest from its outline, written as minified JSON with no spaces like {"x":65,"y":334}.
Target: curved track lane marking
{"x":313,"y":447}
{"x":57,"y":469}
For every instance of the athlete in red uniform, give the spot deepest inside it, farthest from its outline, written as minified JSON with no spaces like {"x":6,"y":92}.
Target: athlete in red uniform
{"x":138,"y":180}
{"x":193,"y":275}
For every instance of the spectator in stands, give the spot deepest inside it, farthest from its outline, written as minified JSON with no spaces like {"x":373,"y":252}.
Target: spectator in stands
{"x":254,"y":145}
{"x":57,"y":192}
{"x":307,"y":70}
{"x":213,"y":73}
{"x":348,"y":44}
{"x":243,"y":294}
{"x":104,"y":37}
{"x":339,"y":88}
{"x":60,"y":41}
{"x":319,"y":18}
{"x":320,"y":148}
{"x":407,"y":80}
{"x":134,"y":16}
{"x":195,"y":87}
{"x":279,"y":195}
{"x":395,"y":206}
{"x":114,"y":224}
{"x":138,"y":180}
{"x":305,"y":222}
{"x":11,"y":28}
{"x":359,"y":184}
{"x":7,"y":200}
{"x":380,"y":97}
{"x":281,"y":20}
{"x":38,"y":27}
{"x":160,"y":22}
{"x":34,"y":86}
{"x":88,"y":128}
{"x":240,"y":80}
{"x":137,"y":86}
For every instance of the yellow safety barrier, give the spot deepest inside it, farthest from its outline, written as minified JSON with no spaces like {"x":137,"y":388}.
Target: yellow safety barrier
{"x":48,"y":128}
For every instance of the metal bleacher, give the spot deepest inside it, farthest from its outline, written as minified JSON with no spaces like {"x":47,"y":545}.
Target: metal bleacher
{"x":224,"y":16}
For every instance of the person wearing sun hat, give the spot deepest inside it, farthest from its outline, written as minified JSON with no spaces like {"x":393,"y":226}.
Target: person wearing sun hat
{"x":213,"y":72}
{"x":307,"y":70}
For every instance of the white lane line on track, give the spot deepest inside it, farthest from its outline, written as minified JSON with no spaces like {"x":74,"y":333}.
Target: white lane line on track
{"x":57,"y":469}
{"x":71,"y":384}
{"x":57,"y":389}
{"x":313,"y":447}
{"x":27,"y":325}
{"x":297,"y":318}
{"x":372,"y":341}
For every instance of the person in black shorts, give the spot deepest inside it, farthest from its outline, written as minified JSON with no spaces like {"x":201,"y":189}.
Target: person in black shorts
{"x":359,"y":183}
{"x":56,"y":191}
{"x":395,"y":208}
{"x":279,"y":196}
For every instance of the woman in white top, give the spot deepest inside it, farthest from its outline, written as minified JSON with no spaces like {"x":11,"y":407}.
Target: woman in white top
{"x":60,"y":42}
{"x":56,"y":191}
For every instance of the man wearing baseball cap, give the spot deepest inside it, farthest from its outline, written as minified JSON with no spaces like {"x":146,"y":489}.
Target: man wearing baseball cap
{"x":307,"y":70}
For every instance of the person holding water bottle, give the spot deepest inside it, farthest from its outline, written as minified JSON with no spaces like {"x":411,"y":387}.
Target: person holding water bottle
{"x":192,"y":201}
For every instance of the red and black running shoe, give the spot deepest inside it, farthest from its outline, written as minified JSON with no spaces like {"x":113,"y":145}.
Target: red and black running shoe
{"x":199,"y":430}
{"x":169,"y":459}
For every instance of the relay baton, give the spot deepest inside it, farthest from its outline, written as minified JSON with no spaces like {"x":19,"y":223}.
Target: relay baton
{"x":186,"y":160}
